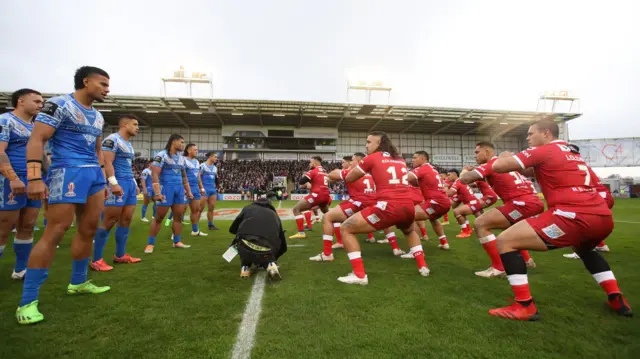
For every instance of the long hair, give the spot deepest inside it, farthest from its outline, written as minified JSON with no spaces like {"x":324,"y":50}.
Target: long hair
{"x":172,"y":138}
{"x":385,"y":144}
{"x":186,"y":149}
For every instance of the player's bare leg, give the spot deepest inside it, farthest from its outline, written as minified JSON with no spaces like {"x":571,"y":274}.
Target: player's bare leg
{"x":494,"y":219}
{"x":437,"y":227}
{"x":196,"y":212}
{"x":352,"y":226}
{"x":24,"y":221}
{"x":415,"y":248}
{"x":178,"y":211}
{"x":210,"y":212}
{"x":389,"y":237}
{"x":145,"y":203}
{"x":461,"y":212}
{"x":8,"y":220}
{"x":317,"y":215}
{"x":329,"y":220}
{"x":154,"y":228}
{"x":300,"y":207}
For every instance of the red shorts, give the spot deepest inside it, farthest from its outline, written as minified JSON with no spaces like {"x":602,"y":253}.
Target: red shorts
{"x":489,"y":200}
{"x":386,"y":214}
{"x":607,"y":198}
{"x":476,"y":205}
{"x":521,"y":208}
{"x":566,"y":229}
{"x":350,"y":207}
{"x":455,"y":199}
{"x":318,"y":200}
{"x":417,"y":198}
{"x":434,"y":209}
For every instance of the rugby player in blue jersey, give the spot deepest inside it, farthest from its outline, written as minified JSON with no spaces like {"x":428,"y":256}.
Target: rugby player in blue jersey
{"x":170,"y":190}
{"x":15,"y":208}
{"x":195,"y":183}
{"x":209,"y":174}
{"x":118,"y":156}
{"x":75,"y":183}
{"x":147,"y":190}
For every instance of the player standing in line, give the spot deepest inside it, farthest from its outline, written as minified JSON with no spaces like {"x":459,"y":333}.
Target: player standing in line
{"x":463,"y":197}
{"x":118,"y":155}
{"x":147,"y":190}
{"x":76,"y":183}
{"x":193,"y":176}
{"x":15,"y":209}
{"x":604,"y":192}
{"x":209,"y":175}
{"x":319,"y":195}
{"x":435,"y":202}
{"x":393,"y":207}
{"x":577,"y":217}
{"x":520,"y":202}
{"x":171,"y":188}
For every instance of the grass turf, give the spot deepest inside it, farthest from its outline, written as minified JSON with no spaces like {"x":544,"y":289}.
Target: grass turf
{"x":189,"y":303}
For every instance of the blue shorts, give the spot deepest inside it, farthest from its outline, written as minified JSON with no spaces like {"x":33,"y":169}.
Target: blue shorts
{"x":74,"y":184}
{"x":195,"y":190}
{"x":174,"y":194}
{"x":149,"y":192}
{"x":9,"y":202}
{"x":128,"y":198}
{"x":210,"y":192}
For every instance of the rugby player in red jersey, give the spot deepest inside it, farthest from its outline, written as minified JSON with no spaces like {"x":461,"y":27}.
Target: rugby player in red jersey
{"x":319,"y":195}
{"x":361,"y":195}
{"x":416,"y":197}
{"x":463,"y":198}
{"x":520,"y":202}
{"x":435,"y":202}
{"x":576,"y":217}
{"x":604,"y":192}
{"x":393,"y":207}
{"x":447,"y":185}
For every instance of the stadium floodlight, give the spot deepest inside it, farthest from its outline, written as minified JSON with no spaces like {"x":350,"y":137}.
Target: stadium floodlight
{"x":236,"y":113}
{"x":367,"y":80}
{"x":278,"y":115}
{"x":188,"y":78}
{"x":150,"y":111}
{"x":557,"y":96}
{"x":361,"y":117}
{"x":437,"y":120}
{"x":322,"y":116}
{"x":195,"y":113}
{"x":468,"y":121}
{"x":399,"y":119}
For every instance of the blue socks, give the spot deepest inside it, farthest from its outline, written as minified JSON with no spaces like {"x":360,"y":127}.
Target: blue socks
{"x":79,"y":271}
{"x":100,"y":241}
{"x":22,"y":247}
{"x":210,"y":223}
{"x":170,"y":215}
{"x":1,"y":251}
{"x":102,"y":216}
{"x":154,"y":209}
{"x":176,"y":238}
{"x":144,"y":211}
{"x":45,"y":222}
{"x":151,"y":241}
{"x":194,"y":228}
{"x":32,"y":282}
{"x":122,"y":234}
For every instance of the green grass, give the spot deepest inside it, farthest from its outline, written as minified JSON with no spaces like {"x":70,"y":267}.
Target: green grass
{"x":189,"y":303}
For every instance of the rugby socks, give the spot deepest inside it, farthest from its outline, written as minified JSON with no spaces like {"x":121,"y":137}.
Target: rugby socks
{"x":443,"y":239}
{"x":327,"y":241}
{"x":170,"y":215}
{"x":45,"y":222}
{"x":79,"y":271}
{"x":418,"y":254}
{"x":144,"y":211}
{"x":151,"y":241}
{"x":307,"y":216}
{"x":33,"y":279}
{"x":392,"y":240}
{"x":370,"y":236}
{"x":517,"y":275}
{"x":176,"y":238}
{"x":601,"y":244}
{"x":356,"y":263}
{"x":423,"y":231}
{"x":525,"y":255}
{"x":194,"y":228}
{"x":446,"y":217}
{"x":122,"y":235}
{"x":336,"y":232}
{"x":299,"y":222}
{"x":1,"y":250}
{"x":22,"y":248}
{"x":601,"y":272}
{"x":100,"y":240}
{"x":489,"y":244}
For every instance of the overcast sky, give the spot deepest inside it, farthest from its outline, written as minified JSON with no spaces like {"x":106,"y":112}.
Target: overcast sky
{"x":478,"y":54}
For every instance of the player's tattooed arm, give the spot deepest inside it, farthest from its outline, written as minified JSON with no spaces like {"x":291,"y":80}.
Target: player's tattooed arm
{"x":5,"y":165}
{"x":40,"y":134}
{"x":469,"y":177}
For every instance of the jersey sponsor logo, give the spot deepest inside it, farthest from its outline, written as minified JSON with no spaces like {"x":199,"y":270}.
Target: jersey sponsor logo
{"x":348,"y":212}
{"x":430,"y":211}
{"x":11,"y":200}
{"x":108,"y":143}
{"x":382,"y":205}
{"x":553,"y":231}
{"x":373,"y":219}
{"x":231,"y":197}
{"x":49,"y":108}
{"x":515,"y":214}
{"x":70,"y":192}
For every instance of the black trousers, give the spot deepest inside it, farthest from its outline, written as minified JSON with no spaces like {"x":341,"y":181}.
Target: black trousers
{"x":250,"y":256}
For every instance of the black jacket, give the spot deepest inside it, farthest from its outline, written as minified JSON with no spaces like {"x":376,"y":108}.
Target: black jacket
{"x":260,"y":220}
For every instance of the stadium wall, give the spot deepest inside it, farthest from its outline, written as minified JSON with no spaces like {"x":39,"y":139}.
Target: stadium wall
{"x":446,"y":150}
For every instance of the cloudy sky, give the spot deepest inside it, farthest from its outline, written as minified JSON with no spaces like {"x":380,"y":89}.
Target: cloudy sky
{"x":478,"y":54}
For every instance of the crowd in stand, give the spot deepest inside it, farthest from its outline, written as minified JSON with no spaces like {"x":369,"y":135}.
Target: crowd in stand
{"x":247,"y":176}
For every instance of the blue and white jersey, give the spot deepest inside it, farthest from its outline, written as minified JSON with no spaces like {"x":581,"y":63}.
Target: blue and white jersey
{"x":193,"y":170}
{"x":15,"y":133}
{"x":146,"y":176}
{"x":209,"y":174}
{"x":172,"y":167}
{"x":73,"y":143}
{"x":124,"y":155}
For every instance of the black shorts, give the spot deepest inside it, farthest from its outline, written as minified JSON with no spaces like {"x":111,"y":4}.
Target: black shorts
{"x":252,"y":253}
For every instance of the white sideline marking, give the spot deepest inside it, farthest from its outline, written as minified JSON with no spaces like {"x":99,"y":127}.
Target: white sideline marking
{"x":627,"y":222}
{"x":279,"y":204}
{"x":295,"y":245}
{"x":247,"y":332}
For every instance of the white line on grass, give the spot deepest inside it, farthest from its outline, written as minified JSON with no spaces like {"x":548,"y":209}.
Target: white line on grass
{"x":626,"y":222}
{"x":247,"y":332}
{"x":295,"y":245}
{"x":279,"y":204}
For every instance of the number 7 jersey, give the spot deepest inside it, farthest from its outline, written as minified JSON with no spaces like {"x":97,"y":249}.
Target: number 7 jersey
{"x":389,"y":174}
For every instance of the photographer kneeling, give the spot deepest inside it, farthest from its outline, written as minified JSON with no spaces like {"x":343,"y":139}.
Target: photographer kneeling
{"x":259,"y":238}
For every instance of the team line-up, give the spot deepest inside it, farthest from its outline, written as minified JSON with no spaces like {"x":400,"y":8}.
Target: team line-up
{"x":92,"y":177}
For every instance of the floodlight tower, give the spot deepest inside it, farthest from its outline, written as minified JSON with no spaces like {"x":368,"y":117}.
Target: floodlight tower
{"x":188,"y":79}
{"x":368,"y":84}
{"x":555,"y":97}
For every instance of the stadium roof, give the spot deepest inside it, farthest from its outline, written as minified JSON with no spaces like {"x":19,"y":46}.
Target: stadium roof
{"x":211,"y":113}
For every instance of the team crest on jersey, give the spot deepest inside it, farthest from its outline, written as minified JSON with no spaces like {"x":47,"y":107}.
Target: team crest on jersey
{"x":515,"y":214}
{"x":430,"y":211}
{"x":70,"y":193}
{"x":553,"y":231}
{"x":11,"y":200}
{"x":348,"y":212}
{"x":373,"y":219}
{"x":382,"y":205}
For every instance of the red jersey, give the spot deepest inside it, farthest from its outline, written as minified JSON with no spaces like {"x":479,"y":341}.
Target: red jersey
{"x":389,"y":174}
{"x":485,"y":189}
{"x":602,"y":190}
{"x":564,"y":178}
{"x":507,"y":185}
{"x":463,"y":191}
{"x":362,"y":190}
{"x":319,"y":180}
{"x":430,"y":183}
